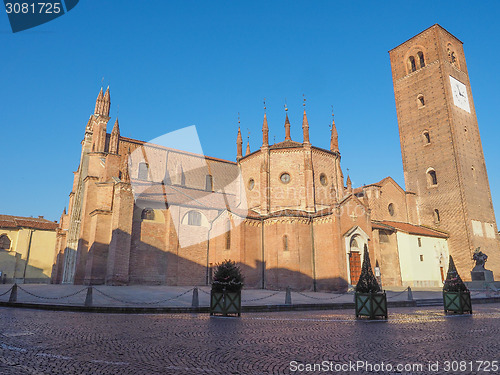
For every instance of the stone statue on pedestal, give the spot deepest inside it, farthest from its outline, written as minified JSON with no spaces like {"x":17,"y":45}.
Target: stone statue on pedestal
{"x":479,"y":273}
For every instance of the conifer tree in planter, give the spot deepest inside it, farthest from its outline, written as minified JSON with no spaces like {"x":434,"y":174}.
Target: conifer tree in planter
{"x":456,"y":296}
{"x":225,"y":297}
{"x":369,"y":299}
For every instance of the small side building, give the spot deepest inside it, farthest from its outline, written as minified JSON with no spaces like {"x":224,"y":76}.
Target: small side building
{"x":26,"y":249}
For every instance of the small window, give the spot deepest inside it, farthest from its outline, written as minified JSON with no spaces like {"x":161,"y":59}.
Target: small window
{"x":421,"y":59}
{"x":432,"y":177}
{"x":452,"y":57}
{"x":391,"y":209}
{"x":420,"y":101}
{"x":323,"y":179}
{"x":413,"y":65}
{"x":4,"y":242}
{"x":421,"y":258}
{"x":419,"y":240}
{"x":427,"y":137}
{"x":437,"y":218}
{"x":285,"y":243}
{"x":251,"y":184}
{"x":143,"y":171}
{"x":194,"y":218}
{"x":285,"y":178}
{"x":228,"y":235}
{"x":383,"y":237}
{"x":148,"y":214}
{"x":209,"y":183}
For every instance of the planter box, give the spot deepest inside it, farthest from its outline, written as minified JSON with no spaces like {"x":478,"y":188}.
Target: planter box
{"x":372,"y":305}
{"x":225,"y":303}
{"x":457,"y":302}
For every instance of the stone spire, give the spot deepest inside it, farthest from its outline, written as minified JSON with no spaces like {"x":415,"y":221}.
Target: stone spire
{"x":248,"y":146}
{"x":99,"y":103}
{"x":305,"y":125}
{"x":106,"y":103}
{"x":102,"y":103}
{"x":334,"y":140}
{"x":265,"y":131}
{"x":116,"y":127}
{"x":287,"y":126}
{"x":349,"y":184}
{"x":239,"y":144}
{"x":115,"y":135}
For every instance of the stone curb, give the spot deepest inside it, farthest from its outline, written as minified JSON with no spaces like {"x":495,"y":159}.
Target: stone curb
{"x":205,"y":309}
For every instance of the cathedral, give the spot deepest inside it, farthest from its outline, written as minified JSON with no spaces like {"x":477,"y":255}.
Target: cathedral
{"x":146,"y":213}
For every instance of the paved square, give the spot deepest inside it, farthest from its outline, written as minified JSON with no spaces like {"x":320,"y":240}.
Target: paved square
{"x":55,"y":342}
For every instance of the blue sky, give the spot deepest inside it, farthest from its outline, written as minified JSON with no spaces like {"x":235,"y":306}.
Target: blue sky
{"x":174,"y":64}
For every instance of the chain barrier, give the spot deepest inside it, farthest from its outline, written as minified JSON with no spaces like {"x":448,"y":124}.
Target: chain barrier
{"x":52,"y":298}
{"x":260,"y":298}
{"x":398,"y":294}
{"x":143,"y":303}
{"x":3,"y":294}
{"x":201,"y":290}
{"x":323,"y":299}
{"x":248,"y":300}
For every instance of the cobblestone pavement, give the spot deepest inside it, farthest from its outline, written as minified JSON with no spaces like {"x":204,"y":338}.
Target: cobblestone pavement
{"x":56,"y":342}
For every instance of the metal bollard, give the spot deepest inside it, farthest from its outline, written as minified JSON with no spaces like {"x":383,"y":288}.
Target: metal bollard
{"x":410,"y":294}
{"x":196,"y":302}
{"x":88,"y":298}
{"x":288,"y":296}
{"x":13,"y":294}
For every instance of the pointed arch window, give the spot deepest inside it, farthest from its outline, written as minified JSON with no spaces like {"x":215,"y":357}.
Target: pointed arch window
{"x":420,"y":101}
{"x":285,"y":243}
{"x":228,"y":235}
{"x":452,"y":57}
{"x":4,"y":242}
{"x":437,"y":217}
{"x":143,"y":171}
{"x":412,"y":64}
{"x":427,"y":137}
{"x":432,"y":177}
{"x":421,"y":59}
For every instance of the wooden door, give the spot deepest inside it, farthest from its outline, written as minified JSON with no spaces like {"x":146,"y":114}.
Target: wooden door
{"x":355,"y":266}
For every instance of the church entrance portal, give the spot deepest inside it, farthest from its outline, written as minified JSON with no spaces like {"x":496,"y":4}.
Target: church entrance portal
{"x":354,"y":261}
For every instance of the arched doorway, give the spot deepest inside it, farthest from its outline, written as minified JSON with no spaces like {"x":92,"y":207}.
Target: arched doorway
{"x":355,"y":259}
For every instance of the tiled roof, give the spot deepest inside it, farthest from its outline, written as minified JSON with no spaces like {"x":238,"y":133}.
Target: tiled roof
{"x":147,"y":144}
{"x":182,"y":196}
{"x":8,"y":221}
{"x":286,"y":144}
{"x":409,"y":228}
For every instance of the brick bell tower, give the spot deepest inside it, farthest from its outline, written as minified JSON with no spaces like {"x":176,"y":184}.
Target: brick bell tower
{"x":440,"y":144}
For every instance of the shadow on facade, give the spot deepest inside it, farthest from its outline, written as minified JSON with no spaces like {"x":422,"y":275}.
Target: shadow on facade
{"x":17,"y":270}
{"x":132,"y":261}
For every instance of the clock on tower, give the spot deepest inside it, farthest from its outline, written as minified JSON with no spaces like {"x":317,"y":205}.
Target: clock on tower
{"x":459,"y":91}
